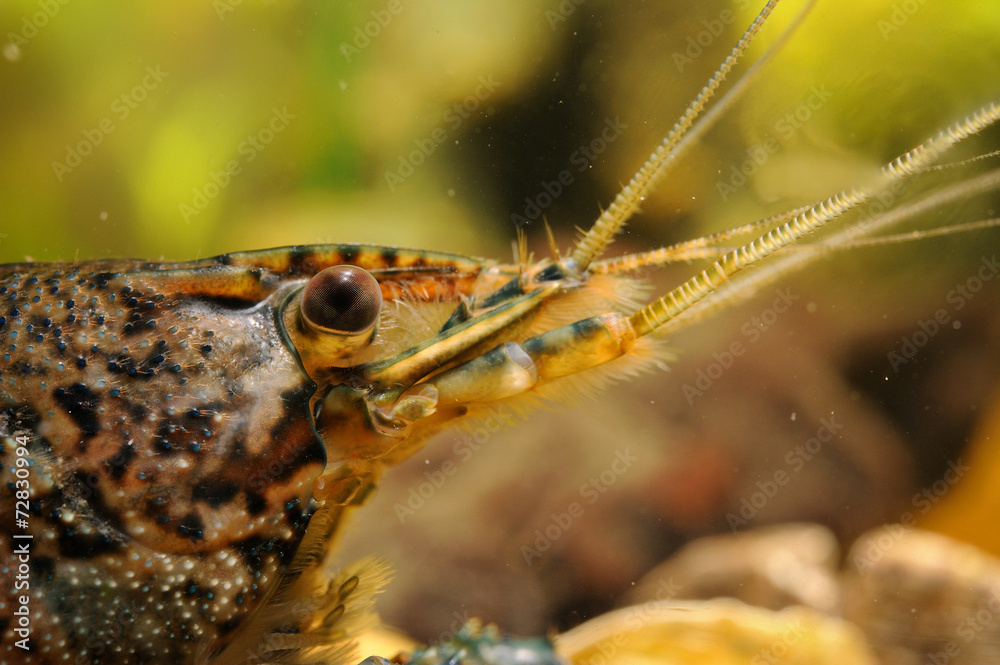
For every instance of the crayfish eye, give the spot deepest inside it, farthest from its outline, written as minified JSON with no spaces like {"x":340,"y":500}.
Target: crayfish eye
{"x":342,"y":299}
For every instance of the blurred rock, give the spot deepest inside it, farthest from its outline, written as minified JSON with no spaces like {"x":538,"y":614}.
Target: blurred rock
{"x":923,"y":598}
{"x":718,"y":632}
{"x":772,"y":567}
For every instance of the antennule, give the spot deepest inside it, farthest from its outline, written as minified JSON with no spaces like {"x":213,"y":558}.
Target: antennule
{"x":916,"y":161}
{"x":627,"y":202}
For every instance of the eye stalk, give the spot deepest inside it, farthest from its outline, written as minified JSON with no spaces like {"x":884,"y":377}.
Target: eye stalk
{"x":344,"y":300}
{"x":333,"y":318}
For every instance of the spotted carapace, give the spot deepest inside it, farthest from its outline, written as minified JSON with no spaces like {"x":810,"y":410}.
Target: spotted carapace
{"x":180,"y":441}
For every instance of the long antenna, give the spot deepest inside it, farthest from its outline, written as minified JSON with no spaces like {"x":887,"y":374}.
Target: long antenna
{"x":627,"y":201}
{"x":738,"y":291}
{"x":693,"y":291}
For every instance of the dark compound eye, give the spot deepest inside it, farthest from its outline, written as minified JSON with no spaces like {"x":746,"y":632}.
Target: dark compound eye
{"x":342,"y":299}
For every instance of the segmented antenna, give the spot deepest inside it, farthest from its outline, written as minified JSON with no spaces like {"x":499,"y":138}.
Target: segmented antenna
{"x":627,"y":201}
{"x":696,"y":248}
{"x":705,"y":247}
{"x":693,"y":291}
{"x":964,"y":162}
{"x":734,"y":292}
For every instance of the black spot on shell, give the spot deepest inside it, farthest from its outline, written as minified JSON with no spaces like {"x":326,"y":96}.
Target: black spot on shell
{"x":163,"y":446}
{"x":229,"y":626}
{"x":295,"y":402}
{"x":138,"y":411}
{"x":238,"y":449}
{"x":119,"y":463}
{"x":255,"y":504}
{"x":77,"y":545}
{"x":101,"y":280}
{"x":230,"y":302}
{"x":80,"y":403}
{"x":297,"y":258}
{"x":191,"y":527}
{"x":214,"y":493}
{"x":43,"y":568}
{"x":124,"y":364}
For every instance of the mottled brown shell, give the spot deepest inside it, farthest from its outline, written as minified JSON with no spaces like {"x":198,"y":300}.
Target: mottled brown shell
{"x":169,"y":444}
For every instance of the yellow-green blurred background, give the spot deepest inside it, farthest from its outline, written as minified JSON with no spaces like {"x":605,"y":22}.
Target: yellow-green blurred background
{"x":154,"y":103}
{"x":557,"y":72}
